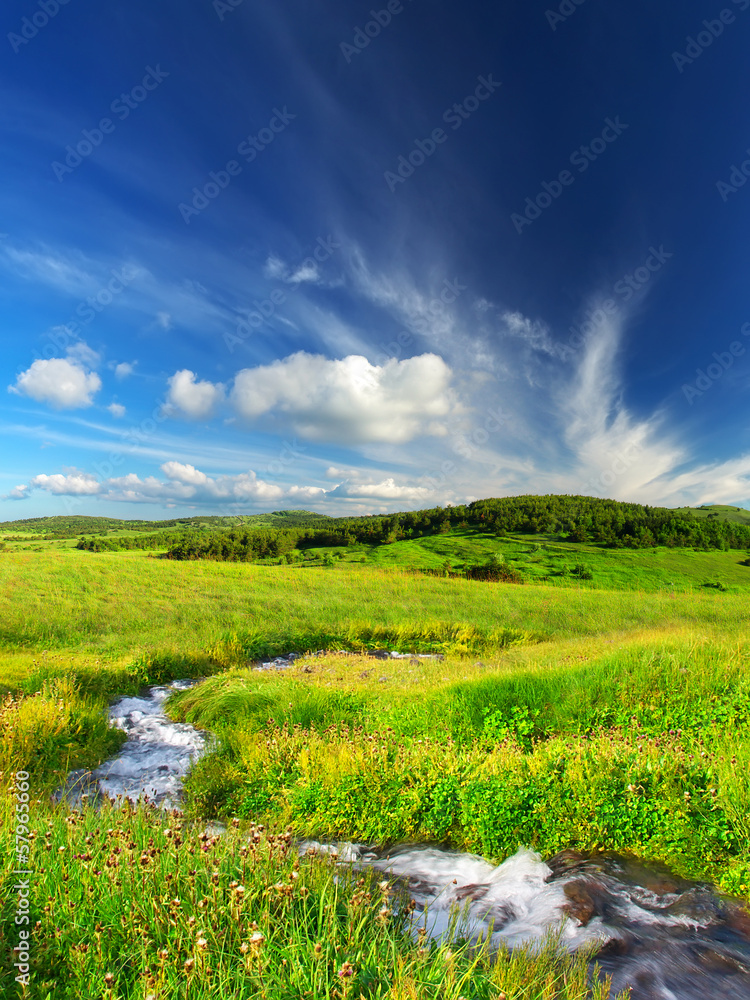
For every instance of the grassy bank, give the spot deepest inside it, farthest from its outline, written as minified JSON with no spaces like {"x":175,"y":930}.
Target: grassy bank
{"x":641,"y":749}
{"x":189,"y":914}
{"x":557,"y":716}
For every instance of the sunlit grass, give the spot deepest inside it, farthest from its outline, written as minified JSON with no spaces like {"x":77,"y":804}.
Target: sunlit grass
{"x":115,"y":604}
{"x":137,"y":904}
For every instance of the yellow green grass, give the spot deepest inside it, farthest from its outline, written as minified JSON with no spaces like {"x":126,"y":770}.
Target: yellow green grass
{"x":138,"y":904}
{"x":115,"y":604}
{"x":546,"y":723}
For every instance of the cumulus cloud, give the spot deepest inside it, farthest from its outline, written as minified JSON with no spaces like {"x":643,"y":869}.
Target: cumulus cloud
{"x":17,"y":493}
{"x":70,"y":484}
{"x":385,"y":490}
{"x":63,"y":383}
{"x":191,"y":398}
{"x":117,"y":410}
{"x":350,"y":400}
{"x":124,"y":369}
{"x":184,"y":482}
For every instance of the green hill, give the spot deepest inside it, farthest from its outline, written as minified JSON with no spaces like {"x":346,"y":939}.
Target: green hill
{"x":719,"y":512}
{"x":71,"y":526}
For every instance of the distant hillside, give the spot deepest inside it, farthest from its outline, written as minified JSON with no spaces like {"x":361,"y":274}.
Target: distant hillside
{"x":718,"y":512}
{"x":64,"y":526}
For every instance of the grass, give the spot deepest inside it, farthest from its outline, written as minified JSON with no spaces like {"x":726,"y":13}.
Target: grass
{"x":187,"y":913}
{"x":640,"y":749}
{"x":119,"y":604}
{"x":602,"y":714}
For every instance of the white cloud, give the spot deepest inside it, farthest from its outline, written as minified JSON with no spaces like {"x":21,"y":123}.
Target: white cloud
{"x":275,"y":268}
{"x":334,"y":472}
{"x":183,"y":473}
{"x":183,"y":482}
{"x":71,"y":484}
{"x":117,"y":410}
{"x":124,"y":369}
{"x":534,"y":333}
{"x":617,"y":455}
{"x":350,"y":400}
{"x":307,"y":272}
{"x":385,"y":490}
{"x":164,"y":320}
{"x":191,"y":398}
{"x":67,"y":272}
{"x":63,"y":383}
{"x":84,"y":355}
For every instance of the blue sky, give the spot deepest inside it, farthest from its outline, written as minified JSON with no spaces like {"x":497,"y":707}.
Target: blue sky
{"x":264,"y":254}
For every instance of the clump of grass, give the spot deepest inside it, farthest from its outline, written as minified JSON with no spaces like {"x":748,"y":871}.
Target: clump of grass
{"x":53,"y":731}
{"x":641,"y":749}
{"x":133,"y":902}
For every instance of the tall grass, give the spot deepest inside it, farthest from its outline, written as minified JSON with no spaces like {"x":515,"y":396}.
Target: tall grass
{"x":136,"y":904}
{"x":52,"y":732}
{"x":641,"y":750}
{"x":114,"y":604}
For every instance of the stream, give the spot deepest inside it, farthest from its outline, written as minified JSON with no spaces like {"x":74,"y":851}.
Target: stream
{"x":665,"y":937}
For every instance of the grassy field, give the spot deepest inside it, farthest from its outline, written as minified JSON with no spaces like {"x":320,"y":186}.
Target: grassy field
{"x":608,"y":713}
{"x":119,"y":604}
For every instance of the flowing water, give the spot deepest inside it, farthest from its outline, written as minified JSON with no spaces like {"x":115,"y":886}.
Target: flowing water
{"x":664,"y":937}
{"x":153,"y":760}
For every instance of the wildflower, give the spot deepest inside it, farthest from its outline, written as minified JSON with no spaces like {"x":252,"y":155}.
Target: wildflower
{"x":189,"y":963}
{"x":108,"y":980}
{"x":346,"y":971}
{"x":202,"y":944}
{"x":244,"y":947}
{"x":257,"y":939}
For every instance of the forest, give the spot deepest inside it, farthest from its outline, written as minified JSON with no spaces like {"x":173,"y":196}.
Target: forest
{"x":608,"y":523}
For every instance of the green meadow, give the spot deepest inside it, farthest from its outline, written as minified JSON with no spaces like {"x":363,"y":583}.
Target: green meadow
{"x":602,"y":704}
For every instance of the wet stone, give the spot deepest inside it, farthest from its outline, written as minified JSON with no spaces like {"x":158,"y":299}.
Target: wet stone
{"x":581,"y":903}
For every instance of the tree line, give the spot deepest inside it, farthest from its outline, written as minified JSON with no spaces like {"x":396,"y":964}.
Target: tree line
{"x":569,"y":518}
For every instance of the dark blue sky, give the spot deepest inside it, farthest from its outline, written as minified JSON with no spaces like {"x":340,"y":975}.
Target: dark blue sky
{"x":264,"y":254}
